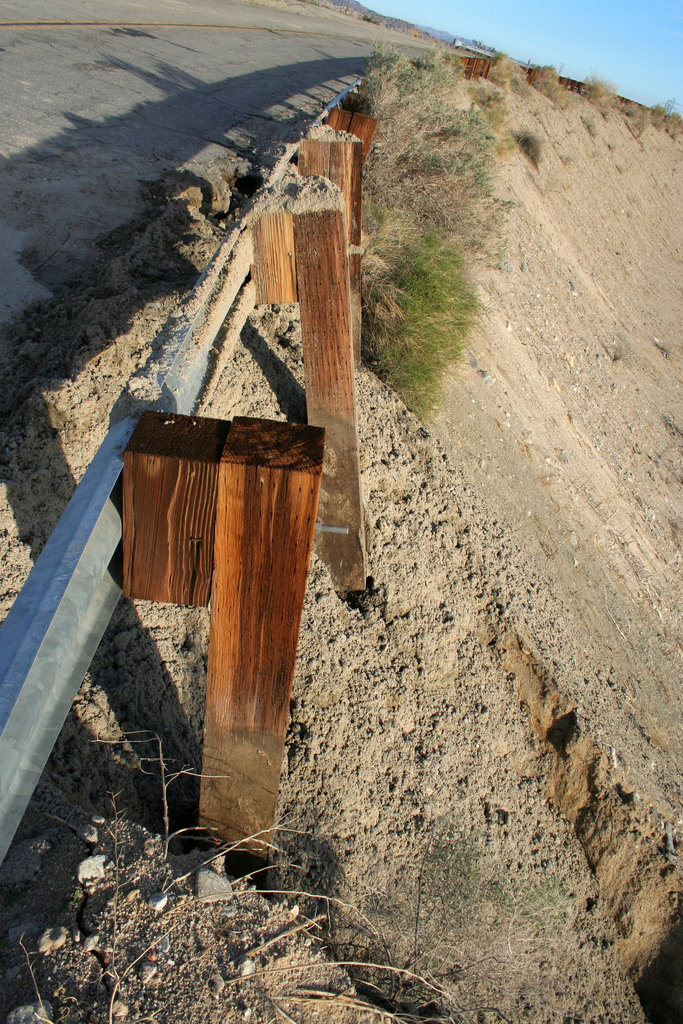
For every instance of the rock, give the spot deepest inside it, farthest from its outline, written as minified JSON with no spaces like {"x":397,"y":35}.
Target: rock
{"x":164,"y":944}
{"x":97,"y":819}
{"x":212,"y":886}
{"x":88,"y":833}
{"x":30,"y":1013}
{"x":24,"y":929}
{"x":91,"y":868}
{"x":246,"y":967}
{"x":216,"y":984}
{"x":91,"y":943}
{"x":119,"y":1010}
{"x":52,"y":939}
{"x":158,"y":901}
{"x":147,"y":972}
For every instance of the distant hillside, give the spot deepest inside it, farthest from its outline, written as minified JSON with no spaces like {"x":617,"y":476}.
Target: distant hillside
{"x":352,"y":7}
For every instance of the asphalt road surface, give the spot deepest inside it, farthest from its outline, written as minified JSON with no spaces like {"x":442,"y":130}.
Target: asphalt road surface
{"x":97,"y":98}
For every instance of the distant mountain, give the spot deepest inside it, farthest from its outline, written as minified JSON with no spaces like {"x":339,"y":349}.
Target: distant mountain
{"x":352,"y":7}
{"x":445,"y":37}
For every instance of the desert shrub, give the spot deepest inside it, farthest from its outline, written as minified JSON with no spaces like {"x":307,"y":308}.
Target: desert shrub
{"x":467,"y":937}
{"x":601,"y":94}
{"x":531,"y":145}
{"x":658,"y":116}
{"x":589,"y":125}
{"x":638,"y":118}
{"x":674,"y":125}
{"x":491,"y":101}
{"x":548,"y":83}
{"x":433,"y":161}
{"x":417,"y":306}
{"x":507,"y":74}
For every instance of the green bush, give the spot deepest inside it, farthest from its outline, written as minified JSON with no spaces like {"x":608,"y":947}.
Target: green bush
{"x":417,"y":306}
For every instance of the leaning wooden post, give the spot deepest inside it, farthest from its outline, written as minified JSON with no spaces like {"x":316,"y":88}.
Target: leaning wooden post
{"x":360,"y":125}
{"x":339,"y":156}
{"x":268,"y":485}
{"x":316,"y":210}
{"x":170,"y":477}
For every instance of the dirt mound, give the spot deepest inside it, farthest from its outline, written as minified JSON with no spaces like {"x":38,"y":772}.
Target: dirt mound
{"x":476,"y":758}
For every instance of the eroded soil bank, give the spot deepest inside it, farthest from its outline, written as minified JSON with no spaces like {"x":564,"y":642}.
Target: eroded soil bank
{"x":467,"y":765}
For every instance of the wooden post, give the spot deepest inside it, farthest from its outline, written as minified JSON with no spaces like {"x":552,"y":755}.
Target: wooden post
{"x":320,"y":254}
{"x":340,"y":158}
{"x":273,"y":267}
{"x":360,"y":125}
{"x":324,"y":298}
{"x":170,"y":476}
{"x":268,"y":485}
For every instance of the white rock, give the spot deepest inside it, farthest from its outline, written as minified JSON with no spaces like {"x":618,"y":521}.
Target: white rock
{"x":158,"y":901}
{"x":216,"y":984}
{"x":91,"y":868}
{"x":212,"y":886}
{"x":88,"y":833}
{"x":91,"y":942}
{"x":30,"y":1013}
{"x":246,"y":967}
{"x":52,"y":939}
{"x":147,"y":972}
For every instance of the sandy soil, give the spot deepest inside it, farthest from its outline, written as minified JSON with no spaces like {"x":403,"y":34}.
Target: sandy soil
{"x":484,"y":748}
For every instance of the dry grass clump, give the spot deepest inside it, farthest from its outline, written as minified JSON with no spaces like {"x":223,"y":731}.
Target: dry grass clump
{"x":601,"y":94}
{"x":433,"y":160}
{"x":674,"y":125}
{"x":466,"y":944}
{"x":417,"y":306}
{"x":658,"y":116}
{"x":491,"y":101}
{"x":429,"y":195}
{"x":531,"y":145}
{"x":508,"y":74}
{"x":638,"y":118}
{"x":548,"y":83}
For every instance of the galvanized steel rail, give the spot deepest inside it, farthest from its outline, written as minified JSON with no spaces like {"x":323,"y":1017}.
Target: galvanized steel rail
{"x":57,"y":621}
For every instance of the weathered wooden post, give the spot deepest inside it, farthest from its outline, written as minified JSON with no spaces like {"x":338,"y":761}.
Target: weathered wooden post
{"x":170,"y":478}
{"x":338,"y":156}
{"x":268,"y":484}
{"x":319,"y":249}
{"x":360,"y":125}
{"x":229,"y":510}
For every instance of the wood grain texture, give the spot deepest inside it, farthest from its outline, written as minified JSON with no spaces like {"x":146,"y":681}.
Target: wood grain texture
{"x":268,"y":486}
{"x":342,"y":163}
{"x":324,"y":297}
{"x":170,"y":478}
{"x":360,"y":125}
{"x":273,"y":267}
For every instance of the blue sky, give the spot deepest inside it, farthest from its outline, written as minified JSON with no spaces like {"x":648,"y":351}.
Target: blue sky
{"x":638,"y":47}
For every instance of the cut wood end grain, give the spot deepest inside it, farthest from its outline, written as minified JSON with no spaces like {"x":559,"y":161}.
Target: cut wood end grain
{"x":276,"y":445}
{"x":179,"y":437}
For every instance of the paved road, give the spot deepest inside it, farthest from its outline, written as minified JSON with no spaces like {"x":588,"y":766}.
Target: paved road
{"x":91,"y":106}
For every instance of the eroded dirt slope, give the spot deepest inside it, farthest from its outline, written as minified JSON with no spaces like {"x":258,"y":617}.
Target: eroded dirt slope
{"x":464,"y":745}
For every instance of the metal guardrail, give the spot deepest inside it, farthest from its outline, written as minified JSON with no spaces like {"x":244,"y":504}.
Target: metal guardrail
{"x":57,"y":621}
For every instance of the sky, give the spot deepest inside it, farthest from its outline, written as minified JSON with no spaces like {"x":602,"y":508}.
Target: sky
{"x":636,"y":46}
